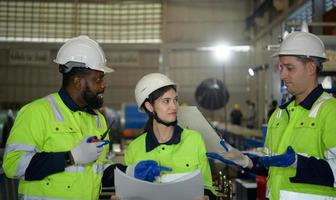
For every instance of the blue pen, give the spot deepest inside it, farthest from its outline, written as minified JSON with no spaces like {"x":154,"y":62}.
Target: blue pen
{"x":105,"y":142}
{"x":222,"y":142}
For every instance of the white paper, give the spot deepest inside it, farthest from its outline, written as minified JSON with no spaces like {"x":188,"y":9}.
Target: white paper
{"x":190,"y":117}
{"x":188,"y":187}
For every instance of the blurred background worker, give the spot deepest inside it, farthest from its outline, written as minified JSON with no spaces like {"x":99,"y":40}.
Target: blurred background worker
{"x":56,"y":147}
{"x":300,"y":140}
{"x":182,"y":150}
{"x":236,"y":115}
{"x":251,"y":115}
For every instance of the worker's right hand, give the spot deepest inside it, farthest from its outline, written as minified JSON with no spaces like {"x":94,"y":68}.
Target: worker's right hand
{"x":86,"y":152}
{"x":147,"y":170}
{"x":231,"y":156}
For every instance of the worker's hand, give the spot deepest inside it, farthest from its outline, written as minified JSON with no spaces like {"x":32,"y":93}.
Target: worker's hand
{"x":146,"y":170}
{"x":95,"y":139}
{"x":231,"y":156}
{"x":86,"y":152}
{"x":283,"y":160}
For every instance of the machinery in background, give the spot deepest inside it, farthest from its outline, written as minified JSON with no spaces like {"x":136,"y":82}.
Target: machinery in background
{"x":132,"y":120}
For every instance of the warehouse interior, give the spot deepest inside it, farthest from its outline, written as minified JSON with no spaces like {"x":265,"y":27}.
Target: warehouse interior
{"x":199,"y":44}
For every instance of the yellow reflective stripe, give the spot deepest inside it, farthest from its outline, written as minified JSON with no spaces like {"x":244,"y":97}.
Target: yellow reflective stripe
{"x":57,"y":112}
{"x":28,"y":152}
{"x":287,"y":195}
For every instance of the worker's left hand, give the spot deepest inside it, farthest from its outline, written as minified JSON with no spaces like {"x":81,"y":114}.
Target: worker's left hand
{"x":283,"y":160}
{"x":147,"y":170}
{"x":231,"y":156}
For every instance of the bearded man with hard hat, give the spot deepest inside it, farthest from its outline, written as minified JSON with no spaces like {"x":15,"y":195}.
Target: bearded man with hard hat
{"x":301,"y":134}
{"x":56,"y":148}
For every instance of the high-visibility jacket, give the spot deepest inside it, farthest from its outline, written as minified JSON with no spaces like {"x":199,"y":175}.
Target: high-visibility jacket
{"x":48,"y":125}
{"x":186,"y":156}
{"x":312,"y":133}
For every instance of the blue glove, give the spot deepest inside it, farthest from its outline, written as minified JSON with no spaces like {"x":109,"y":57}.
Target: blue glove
{"x":282,"y":160}
{"x":147,"y":170}
{"x":216,"y":156}
{"x":230,"y":156}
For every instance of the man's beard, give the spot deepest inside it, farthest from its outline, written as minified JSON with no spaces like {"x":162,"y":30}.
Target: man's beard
{"x":91,"y":99}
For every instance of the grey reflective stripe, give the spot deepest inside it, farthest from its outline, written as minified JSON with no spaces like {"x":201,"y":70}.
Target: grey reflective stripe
{"x":29,"y":152}
{"x":98,"y":121}
{"x":278,"y":114}
{"x":98,"y":169}
{"x":106,"y":166}
{"x":57,"y":112}
{"x":30,"y":197}
{"x":330,"y":155}
{"x":75,"y":168}
{"x":20,"y":147}
{"x":315,"y":109}
{"x":289,"y":195}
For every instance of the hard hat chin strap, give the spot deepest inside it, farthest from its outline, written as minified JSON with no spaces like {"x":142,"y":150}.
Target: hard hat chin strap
{"x":67,"y":67}
{"x":156,"y":117}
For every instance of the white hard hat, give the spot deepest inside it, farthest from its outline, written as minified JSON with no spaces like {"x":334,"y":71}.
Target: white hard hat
{"x":148,"y":84}
{"x":83,"y":50}
{"x":302,"y":44}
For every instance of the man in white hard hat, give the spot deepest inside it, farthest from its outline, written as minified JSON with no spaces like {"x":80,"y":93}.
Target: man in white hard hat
{"x":57,"y":146}
{"x":301,"y":134}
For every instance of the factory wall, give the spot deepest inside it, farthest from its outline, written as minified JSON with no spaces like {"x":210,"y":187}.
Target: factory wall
{"x":27,"y":71}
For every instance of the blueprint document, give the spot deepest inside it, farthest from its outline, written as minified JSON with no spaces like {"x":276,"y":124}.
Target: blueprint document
{"x":187,"y":187}
{"x":191,"y":118}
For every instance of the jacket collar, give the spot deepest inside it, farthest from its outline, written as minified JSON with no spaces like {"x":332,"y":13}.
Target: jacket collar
{"x":309,"y":101}
{"x":71,"y":104}
{"x":152,"y":143}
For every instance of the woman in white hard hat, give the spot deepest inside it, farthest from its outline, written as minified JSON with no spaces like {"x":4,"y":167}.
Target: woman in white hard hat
{"x":163,"y":140}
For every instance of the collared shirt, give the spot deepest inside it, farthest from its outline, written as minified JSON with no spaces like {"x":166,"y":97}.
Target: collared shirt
{"x":152,"y":142}
{"x":184,"y":152}
{"x":309,"y":128}
{"x":308,"y":102}
{"x":71,"y":104}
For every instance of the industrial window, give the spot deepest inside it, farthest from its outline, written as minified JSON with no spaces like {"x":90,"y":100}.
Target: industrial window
{"x":329,"y":4}
{"x":304,"y":13}
{"x":108,"y":22}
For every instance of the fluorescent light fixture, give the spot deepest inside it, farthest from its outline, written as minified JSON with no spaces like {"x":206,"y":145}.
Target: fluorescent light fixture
{"x":222,"y":52}
{"x":239,"y":48}
{"x":251,"y":71}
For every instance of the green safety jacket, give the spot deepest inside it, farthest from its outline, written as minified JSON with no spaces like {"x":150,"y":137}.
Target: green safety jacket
{"x":186,"y":156}
{"x":312,"y":133}
{"x":48,"y":125}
